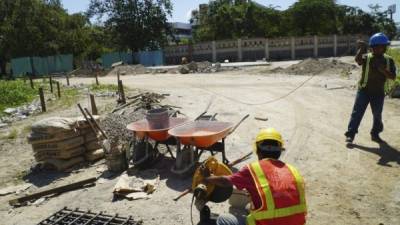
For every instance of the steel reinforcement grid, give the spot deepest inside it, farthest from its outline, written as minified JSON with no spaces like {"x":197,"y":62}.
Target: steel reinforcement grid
{"x":77,"y":217}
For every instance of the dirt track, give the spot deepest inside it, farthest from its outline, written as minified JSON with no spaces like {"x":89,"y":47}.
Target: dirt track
{"x":344,"y":186}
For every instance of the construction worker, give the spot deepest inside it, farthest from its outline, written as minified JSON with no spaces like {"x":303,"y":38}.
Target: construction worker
{"x":377,"y":68}
{"x":276,"y":188}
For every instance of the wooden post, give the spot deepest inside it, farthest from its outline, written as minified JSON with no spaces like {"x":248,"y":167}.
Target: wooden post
{"x":293,"y":48}
{"x":118,"y":75}
{"x":121,"y":92}
{"x":316,"y":46}
{"x":66,"y":76}
{"x":239,"y":49}
{"x":51,"y":83}
{"x":58,"y":90}
{"x":214,"y":51}
{"x":42,"y":101}
{"x":266,"y":49}
{"x":97,"y":79}
{"x":93,"y":105}
{"x":31,"y":81}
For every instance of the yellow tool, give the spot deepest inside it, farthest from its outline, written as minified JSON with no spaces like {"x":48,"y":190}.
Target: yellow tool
{"x":216,"y":168}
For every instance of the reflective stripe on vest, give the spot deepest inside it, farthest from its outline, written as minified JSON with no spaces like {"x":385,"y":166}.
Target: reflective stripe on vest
{"x":270,"y":211}
{"x":364,"y":77}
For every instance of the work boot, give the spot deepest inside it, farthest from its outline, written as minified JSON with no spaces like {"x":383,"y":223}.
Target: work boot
{"x":349,"y":140}
{"x":349,"y":137}
{"x":376,"y":138}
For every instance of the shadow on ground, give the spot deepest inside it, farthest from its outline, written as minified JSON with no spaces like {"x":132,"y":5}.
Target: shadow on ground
{"x":386,"y":152}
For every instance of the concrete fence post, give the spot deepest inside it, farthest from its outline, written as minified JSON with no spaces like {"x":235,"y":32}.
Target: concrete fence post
{"x":316,"y":46}
{"x":240,"y":51}
{"x":335,"y":45}
{"x":214,"y":51}
{"x":293,"y":47}
{"x":266,"y":49}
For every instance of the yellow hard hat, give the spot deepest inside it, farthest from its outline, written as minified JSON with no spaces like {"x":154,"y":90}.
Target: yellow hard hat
{"x":268,"y":134}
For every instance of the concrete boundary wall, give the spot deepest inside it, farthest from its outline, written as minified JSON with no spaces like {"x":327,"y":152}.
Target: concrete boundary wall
{"x":263,"y":48}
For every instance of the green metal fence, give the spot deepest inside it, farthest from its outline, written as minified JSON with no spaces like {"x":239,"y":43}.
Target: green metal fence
{"x":40,"y":66}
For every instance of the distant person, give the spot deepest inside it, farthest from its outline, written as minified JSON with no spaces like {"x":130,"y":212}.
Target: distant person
{"x":377,"y":68}
{"x":276,"y":188}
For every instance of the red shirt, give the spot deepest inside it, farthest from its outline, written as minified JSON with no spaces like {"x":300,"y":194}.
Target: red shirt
{"x":243,"y":180}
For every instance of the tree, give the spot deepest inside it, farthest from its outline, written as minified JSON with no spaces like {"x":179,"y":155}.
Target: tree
{"x":135,"y":24}
{"x":228,"y":19}
{"x":312,"y":17}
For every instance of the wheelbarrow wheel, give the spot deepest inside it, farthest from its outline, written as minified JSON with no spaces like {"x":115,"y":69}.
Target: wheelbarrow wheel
{"x":144,"y":155}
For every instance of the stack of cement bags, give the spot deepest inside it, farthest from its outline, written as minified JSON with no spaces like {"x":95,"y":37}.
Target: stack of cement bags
{"x":60,"y":143}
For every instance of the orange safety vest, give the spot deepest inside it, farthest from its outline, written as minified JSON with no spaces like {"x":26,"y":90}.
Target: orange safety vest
{"x":281,"y":190}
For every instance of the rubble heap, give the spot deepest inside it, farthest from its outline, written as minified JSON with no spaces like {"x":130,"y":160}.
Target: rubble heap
{"x":317,"y":67}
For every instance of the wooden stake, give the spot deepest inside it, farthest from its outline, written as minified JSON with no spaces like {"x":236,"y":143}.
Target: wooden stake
{"x":42,"y":101}
{"x":31,"y":81}
{"x":121,"y":92}
{"x":87,"y":119}
{"x":97,"y":79}
{"x":118,"y":76}
{"x":51,"y":84}
{"x":58,"y":89}
{"x":57,"y":190}
{"x":66,"y":76}
{"x":93,"y":105}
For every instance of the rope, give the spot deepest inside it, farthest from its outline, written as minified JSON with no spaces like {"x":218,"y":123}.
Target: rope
{"x":261,"y":103}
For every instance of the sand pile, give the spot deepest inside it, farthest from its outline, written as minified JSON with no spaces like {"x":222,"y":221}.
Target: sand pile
{"x":317,"y":67}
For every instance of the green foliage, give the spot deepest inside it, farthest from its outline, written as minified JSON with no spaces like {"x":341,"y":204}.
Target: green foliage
{"x":229,"y":19}
{"x":135,"y":25}
{"x":395,"y":54}
{"x":13,"y":134}
{"x":43,"y":28}
{"x":103,"y":88}
{"x":15,"y":93}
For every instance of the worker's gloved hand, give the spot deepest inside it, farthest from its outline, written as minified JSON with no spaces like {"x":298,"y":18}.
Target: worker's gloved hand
{"x":204,"y":171}
{"x":362,"y":45}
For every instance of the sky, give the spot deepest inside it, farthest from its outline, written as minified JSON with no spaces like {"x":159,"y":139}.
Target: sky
{"x":182,"y":8}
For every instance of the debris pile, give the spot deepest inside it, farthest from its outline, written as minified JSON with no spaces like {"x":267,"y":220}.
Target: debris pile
{"x":317,"y":67}
{"x":128,"y":70}
{"x":199,"y":67}
{"x":135,"y":184}
{"x":60,"y":143}
{"x":20,"y":113}
{"x":114,"y":124}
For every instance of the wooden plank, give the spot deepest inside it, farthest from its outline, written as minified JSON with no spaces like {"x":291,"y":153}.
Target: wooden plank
{"x":56,"y":190}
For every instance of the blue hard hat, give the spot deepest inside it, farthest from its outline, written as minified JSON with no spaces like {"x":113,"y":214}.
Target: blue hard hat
{"x":379,"y":39}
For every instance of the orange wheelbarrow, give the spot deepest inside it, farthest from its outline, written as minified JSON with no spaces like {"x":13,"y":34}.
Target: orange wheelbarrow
{"x":144,"y":154}
{"x":193,"y":138}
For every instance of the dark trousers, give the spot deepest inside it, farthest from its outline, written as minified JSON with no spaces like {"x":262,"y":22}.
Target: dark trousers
{"x":364,"y":98}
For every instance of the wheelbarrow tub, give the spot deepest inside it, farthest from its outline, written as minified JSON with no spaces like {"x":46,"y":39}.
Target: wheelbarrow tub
{"x":201,"y":134}
{"x":142,"y":129}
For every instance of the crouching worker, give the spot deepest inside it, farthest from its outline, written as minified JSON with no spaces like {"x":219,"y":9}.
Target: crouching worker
{"x":276,"y":188}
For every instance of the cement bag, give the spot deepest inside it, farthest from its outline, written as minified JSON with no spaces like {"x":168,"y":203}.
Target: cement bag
{"x":89,"y":137}
{"x":94,"y":155}
{"x":94,"y":145}
{"x":54,"y":125}
{"x":61,"y":165}
{"x":84,"y":131}
{"x":66,"y":154}
{"x":60,"y":145}
{"x":39,"y":138}
{"x":82,"y":123}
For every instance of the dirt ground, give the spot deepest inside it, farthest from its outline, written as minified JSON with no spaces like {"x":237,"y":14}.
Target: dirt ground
{"x":358,"y":185}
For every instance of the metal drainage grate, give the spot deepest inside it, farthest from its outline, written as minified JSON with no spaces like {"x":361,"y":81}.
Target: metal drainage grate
{"x":77,"y":217}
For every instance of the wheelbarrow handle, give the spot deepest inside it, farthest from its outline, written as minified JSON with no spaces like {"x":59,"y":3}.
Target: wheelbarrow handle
{"x":238,"y":124}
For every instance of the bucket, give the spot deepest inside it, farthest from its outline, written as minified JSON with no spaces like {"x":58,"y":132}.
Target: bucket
{"x":158,"y":118}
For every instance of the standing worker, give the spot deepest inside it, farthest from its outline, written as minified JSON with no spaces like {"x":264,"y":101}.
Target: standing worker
{"x":276,"y":188}
{"x":377,"y":68}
